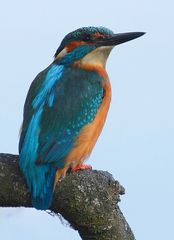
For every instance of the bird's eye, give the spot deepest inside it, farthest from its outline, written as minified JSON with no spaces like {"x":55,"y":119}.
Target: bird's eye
{"x":87,"y":37}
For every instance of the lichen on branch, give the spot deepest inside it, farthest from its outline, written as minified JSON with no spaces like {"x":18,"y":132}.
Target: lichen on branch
{"x":88,"y":200}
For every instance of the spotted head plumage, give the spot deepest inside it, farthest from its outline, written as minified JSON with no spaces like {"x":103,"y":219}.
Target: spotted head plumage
{"x":85,"y":36}
{"x":79,"y":43}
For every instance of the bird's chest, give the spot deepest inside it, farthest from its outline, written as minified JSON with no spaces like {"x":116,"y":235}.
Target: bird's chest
{"x":88,"y":136}
{"x":92,"y":131}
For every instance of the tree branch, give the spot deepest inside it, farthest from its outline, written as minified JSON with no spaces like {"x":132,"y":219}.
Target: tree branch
{"x":87,"y":199}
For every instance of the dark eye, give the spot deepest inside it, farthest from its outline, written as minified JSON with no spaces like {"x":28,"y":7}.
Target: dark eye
{"x":87,"y":37}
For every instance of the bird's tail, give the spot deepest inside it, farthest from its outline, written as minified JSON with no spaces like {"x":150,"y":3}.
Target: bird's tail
{"x":42,"y":193}
{"x":40,"y":180}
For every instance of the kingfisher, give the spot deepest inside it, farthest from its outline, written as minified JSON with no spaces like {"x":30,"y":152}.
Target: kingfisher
{"x":65,"y":110}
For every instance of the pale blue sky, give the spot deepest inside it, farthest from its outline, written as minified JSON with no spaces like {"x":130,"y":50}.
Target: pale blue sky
{"x":137,"y":144}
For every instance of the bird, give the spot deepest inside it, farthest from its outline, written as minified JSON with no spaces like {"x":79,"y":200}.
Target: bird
{"x":65,"y":110}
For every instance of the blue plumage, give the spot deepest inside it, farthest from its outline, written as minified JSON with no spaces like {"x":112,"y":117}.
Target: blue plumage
{"x":78,"y":53}
{"x":45,"y":93}
{"x":40,"y":179}
{"x":53,"y":116}
{"x":62,"y":100}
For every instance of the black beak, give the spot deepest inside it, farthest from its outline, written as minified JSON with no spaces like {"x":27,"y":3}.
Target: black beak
{"x":119,"y":38}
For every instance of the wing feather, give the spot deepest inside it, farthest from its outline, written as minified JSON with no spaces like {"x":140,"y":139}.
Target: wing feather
{"x":66,"y":105}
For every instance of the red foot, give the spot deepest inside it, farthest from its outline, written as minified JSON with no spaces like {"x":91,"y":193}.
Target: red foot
{"x":82,"y":167}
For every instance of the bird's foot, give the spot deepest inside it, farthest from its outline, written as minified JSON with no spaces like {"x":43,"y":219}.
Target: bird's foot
{"x":81,"y":167}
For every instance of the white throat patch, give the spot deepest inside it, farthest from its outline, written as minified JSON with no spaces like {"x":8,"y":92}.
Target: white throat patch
{"x":97,"y":57}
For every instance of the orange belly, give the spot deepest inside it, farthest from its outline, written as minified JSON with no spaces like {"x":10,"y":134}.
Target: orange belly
{"x":89,"y":135}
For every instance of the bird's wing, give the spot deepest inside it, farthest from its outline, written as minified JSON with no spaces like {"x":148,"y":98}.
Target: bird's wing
{"x":29,"y":110}
{"x":70,"y":104}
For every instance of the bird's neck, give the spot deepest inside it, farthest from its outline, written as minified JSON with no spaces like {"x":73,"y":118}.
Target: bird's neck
{"x":95,"y":61}
{"x":93,"y":68}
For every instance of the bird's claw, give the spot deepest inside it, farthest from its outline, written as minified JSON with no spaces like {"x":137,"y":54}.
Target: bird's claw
{"x":81,"y":167}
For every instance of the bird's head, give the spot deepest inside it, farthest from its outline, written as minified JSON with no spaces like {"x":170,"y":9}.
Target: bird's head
{"x":90,"y":45}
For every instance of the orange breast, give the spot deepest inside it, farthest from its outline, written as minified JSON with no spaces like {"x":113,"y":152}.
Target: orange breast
{"x":90,"y":133}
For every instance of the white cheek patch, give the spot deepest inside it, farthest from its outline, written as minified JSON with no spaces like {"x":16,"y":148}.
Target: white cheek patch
{"x":61,"y":54}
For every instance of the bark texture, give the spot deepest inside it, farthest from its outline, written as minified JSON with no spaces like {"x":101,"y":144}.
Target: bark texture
{"x":88,"y":200}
